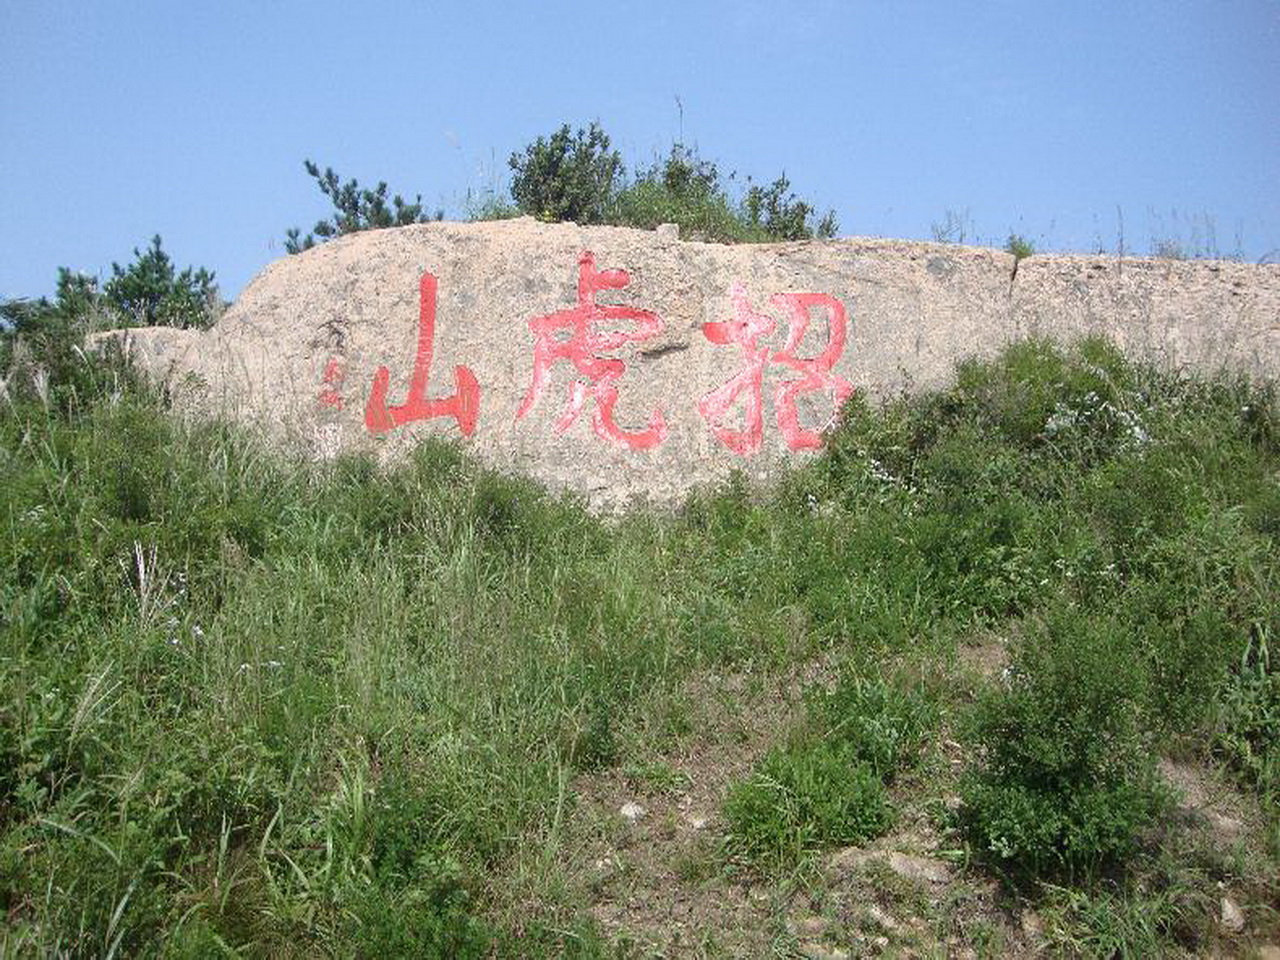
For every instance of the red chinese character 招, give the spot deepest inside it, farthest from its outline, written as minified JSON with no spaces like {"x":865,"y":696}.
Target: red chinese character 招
{"x":463,"y":405}
{"x":582,"y":346}
{"x":745,"y":330}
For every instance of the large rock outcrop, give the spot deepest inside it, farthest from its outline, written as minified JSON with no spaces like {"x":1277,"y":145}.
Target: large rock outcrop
{"x":627,"y":364}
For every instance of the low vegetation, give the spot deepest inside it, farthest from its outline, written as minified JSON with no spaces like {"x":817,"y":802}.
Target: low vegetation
{"x":252,"y":706}
{"x":578,"y":177}
{"x":149,"y":291}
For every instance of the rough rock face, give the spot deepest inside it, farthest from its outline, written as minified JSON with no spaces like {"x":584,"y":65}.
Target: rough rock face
{"x":626,"y":364}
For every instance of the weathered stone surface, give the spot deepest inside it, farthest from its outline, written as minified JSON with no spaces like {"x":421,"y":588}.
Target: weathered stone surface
{"x":299,"y":351}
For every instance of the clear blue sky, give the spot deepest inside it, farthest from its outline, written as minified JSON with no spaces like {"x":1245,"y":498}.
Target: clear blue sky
{"x":121,"y":120}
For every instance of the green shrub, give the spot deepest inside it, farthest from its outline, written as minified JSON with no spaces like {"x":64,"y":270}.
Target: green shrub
{"x":783,"y":216}
{"x":878,"y":722}
{"x":804,"y":798}
{"x":151,"y":292}
{"x":577,"y":177}
{"x":1249,"y":728}
{"x":355,"y":209}
{"x":567,"y":176}
{"x":429,"y":919}
{"x":1064,"y":774}
{"x":1019,"y":246}
{"x":683,"y":190}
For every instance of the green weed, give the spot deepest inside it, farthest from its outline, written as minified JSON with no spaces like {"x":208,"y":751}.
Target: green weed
{"x":801,"y":799}
{"x":254,"y":705}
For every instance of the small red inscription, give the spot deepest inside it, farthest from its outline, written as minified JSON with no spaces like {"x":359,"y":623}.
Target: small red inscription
{"x":333,"y":377}
{"x":463,"y":405}
{"x":582,"y":347}
{"x":745,"y":330}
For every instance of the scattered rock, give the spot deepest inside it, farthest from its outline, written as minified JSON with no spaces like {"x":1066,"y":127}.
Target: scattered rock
{"x":1227,"y":828}
{"x":883,"y":920}
{"x":1232,"y":917}
{"x":1031,"y":924}
{"x":632,"y":812}
{"x":699,"y":822}
{"x":920,"y":869}
{"x":816,"y":951}
{"x":808,"y":927}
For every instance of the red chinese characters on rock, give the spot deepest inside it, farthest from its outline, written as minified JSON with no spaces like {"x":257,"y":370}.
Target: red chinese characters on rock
{"x":333,"y":376}
{"x":463,"y":405}
{"x":582,"y":347}
{"x":745,"y":330}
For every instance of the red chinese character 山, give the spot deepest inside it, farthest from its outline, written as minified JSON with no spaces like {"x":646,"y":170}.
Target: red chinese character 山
{"x":463,"y":405}
{"x":745,"y":330}
{"x":582,"y":347}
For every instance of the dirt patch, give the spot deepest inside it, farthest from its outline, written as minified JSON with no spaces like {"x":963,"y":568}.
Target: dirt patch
{"x":1209,"y":803}
{"x":648,"y":836}
{"x":647,"y":856}
{"x":985,"y":655}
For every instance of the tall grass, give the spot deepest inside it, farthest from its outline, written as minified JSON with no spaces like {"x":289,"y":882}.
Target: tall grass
{"x":254,"y":705}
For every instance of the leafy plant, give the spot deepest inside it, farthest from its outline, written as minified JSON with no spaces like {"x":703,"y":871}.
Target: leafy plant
{"x":1064,"y":773}
{"x":783,"y":216}
{"x":685,"y":190}
{"x":579,"y":178}
{"x":355,"y":209}
{"x":1019,"y":246}
{"x":800,"y":799}
{"x":882,"y":724}
{"x":567,"y":176}
{"x":150,"y":291}
{"x":1249,"y":735}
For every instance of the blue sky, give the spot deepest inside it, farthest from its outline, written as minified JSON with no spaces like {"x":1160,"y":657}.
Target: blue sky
{"x":1054,"y":120}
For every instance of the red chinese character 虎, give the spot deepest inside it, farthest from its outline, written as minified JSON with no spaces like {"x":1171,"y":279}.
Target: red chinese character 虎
{"x":463,"y":405}
{"x":333,"y":377}
{"x":582,"y":347}
{"x":745,"y":330}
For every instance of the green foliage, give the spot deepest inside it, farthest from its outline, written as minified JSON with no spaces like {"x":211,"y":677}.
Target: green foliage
{"x":567,"y":176}
{"x":355,"y":209}
{"x":688,"y":191}
{"x":255,"y":706}
{"x":432,"y":918}
{"x":1019,"y":246}
{"x":150,"y":292}
{"x":1130,"y":922}
{"x":800,"y":799}
{"x":882,"y":724}
{"x":1249,"y":732}
{"x":577,"y":177}
{"x":828,"y":786}
{"x":42,"y":356}
{"x":783,"y":216}
{"x":489,"y":205}
{"x":683,"y":190}
{"x":1064,"y":779}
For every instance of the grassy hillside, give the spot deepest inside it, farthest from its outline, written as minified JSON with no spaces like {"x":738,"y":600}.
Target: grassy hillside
{"x":256,"y":707}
